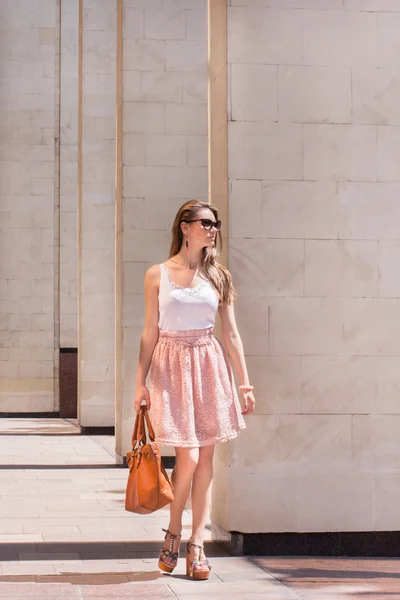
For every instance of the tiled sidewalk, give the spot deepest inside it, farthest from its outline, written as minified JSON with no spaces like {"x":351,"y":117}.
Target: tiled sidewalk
{"x":64,"y":535}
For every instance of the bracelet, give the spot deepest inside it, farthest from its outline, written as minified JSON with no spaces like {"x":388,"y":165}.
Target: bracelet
{"x":246,"y":388}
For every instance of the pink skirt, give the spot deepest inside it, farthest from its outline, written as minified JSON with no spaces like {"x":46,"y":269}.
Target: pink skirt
{"x":193,"y":396}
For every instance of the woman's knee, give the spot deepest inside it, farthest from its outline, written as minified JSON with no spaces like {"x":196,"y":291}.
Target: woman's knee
{"x":187,"y":460}
{"x":206,"y":455}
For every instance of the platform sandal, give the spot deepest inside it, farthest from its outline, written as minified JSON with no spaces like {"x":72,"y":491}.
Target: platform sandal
{"x":167,"y":553}
{"x":200,"y":568}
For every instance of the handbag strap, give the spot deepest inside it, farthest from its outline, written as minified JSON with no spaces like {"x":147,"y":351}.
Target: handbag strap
{"x":139,"y":433}
{"x":149,"y":425}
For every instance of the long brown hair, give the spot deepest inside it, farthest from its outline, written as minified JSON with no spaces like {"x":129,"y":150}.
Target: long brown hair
{"x":218,"y":275}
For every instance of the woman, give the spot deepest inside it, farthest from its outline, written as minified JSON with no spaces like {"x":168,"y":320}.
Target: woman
{"x":193,"y":400}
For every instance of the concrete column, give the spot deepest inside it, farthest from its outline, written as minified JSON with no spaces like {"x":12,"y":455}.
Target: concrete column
{"x":96,"y":213}
{"x":28,"y":200}
{"x":313,"y":140}
{"x":164,"y":156}
{"x":69,"y":172}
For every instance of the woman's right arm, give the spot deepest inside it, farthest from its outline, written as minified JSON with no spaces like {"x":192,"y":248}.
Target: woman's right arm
{"x":149,"y":336}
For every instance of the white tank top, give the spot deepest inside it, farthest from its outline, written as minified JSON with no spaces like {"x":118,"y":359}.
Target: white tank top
{"x":185,"y":308}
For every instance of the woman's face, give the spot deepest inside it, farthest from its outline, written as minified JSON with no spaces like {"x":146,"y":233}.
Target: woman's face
{"x":197,"y":232}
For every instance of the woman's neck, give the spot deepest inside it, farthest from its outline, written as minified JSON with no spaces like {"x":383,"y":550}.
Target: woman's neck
{"x":190,"y":260}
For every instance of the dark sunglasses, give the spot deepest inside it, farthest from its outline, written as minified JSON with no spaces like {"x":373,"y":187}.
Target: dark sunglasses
{"x":207,"y":223}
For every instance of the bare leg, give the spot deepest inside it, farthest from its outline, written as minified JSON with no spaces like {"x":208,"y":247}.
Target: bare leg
{"x":201,"y":496}
{"x":186,"y":463}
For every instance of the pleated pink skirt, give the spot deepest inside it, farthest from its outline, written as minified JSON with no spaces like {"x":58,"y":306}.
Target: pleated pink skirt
{"x":193,"y":395}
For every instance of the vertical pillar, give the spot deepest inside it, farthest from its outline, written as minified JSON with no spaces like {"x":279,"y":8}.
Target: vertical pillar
{"x":96,"y":213}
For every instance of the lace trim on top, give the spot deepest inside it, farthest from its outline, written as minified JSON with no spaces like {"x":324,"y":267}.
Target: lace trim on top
{"x":187,"y":290}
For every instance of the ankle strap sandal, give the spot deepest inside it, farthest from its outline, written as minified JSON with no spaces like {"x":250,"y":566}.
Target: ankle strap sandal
{"x":167,"y":554}
{"x":198,"y":568}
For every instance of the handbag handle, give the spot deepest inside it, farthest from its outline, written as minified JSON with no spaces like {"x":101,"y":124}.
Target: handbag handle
{"x":149,"y":425}
{"x":139,"y":434}
{"x":139,"y":431}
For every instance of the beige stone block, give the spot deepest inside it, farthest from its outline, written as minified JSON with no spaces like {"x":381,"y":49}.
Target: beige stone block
{"x":144,"y":181}
{"x":144,"y":117}
{"x":99,"y":18}
{"x":47,"y":36}
{"x":277,"y":383}
{"x":267,"y":268}
{"x":186,"y":56}
{"x":387,"y":385}
{"x":276,"y":512}
{"x":388,"y":153}
{"x":195,"y":88}
{"x":337,"y":385}
{"x":335,"y":502}
{"x":254,"y":92}
{"x":245,"y":209}
{"x":196,"y":25}
{"x":305,"y":326}
{"x":255,"y":32}
{"x":265,"y":151}
{"x":253,"y":331}
{"x":197,"y":150}
{"x":388,"y":40}
{"x":340,"y":152}
{"x":141,"y":246}
{"x":295,"y":444}
{"x":96,"y":105}
{"x":314,"y":4}
{"x":143,"y":3}
{"x":166,"y":150}
{"x":133,"y":310}
{"x":161,"y":87}
{"x":357,"y":32}
{"x":376,"y":443}
{"x":31,"y":369}
{"x":314,"y":94}
{"x":186,"y":118}
{"x":133,"y":23}
{"x":371,"y":326}
{"x":134,"y":149}
{"x":375,"y":95}
{"x":131,"y":86}
{"x":158,"y":213}
{"x":352,"y":268}
{"x":189,"y":4}
{"x":368,"y":211}
{"x":134,"y":213}
{"x":144,"y":55}
{"x":186,"y":182}
{"x":372,"y":5}
{"x":388,"y":261}
{"x":133,"y":277}
{"x":165,"y":24}
{"x":299,"y":209}
{"x":18,"y":322}
{"x":387,"y":497}
{"x":9,"y":370}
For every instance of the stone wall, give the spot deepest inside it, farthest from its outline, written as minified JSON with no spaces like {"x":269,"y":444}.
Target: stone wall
{"x":314,"y":244}
{"x":96,"y":219}
{"x":28,"y":271}
{"x":164,"y":149}
{"x":69,"y":99}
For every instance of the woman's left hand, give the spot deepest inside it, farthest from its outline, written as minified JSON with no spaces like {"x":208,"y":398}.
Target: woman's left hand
{"x":248,"y":402}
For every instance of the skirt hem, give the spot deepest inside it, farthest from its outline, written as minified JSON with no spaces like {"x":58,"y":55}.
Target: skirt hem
{"x":209,"y":442}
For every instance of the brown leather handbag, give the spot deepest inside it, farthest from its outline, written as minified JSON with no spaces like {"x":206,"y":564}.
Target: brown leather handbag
{"x":148,"y":487}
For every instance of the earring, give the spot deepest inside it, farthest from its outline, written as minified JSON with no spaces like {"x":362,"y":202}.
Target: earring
{"x":187,"y":246}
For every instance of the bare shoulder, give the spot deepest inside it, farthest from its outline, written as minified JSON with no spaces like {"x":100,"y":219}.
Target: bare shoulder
{"x":152,"y":277}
